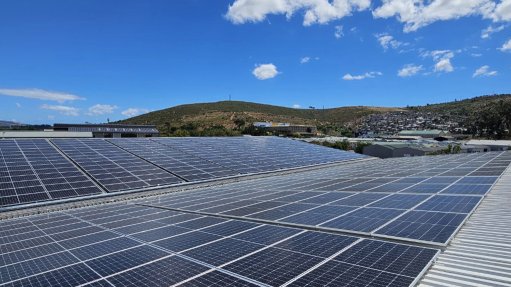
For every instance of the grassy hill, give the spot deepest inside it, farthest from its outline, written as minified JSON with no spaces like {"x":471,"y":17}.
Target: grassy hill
{"x":236,"y":115}
{"x":232,"y":117}
{"x":466,"y":106}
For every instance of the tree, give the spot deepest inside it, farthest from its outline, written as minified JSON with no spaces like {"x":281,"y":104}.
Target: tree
{"x":240,"y":123}
{"x":492,"y":120}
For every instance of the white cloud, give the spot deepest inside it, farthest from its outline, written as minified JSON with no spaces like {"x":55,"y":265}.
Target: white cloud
{"x":305,"y":60}
{"x":486,"y":33}
{"x":409,"y":70}
{"x":40,"y":95}
{"x":502,"y":11}
{"x":296,"y":106}
{"x":349,"y":77}
{"x":65,"y":110}
{"x":442,"y":59}
{"x":438,"y":54}
{"x":387,"y":41}
{"x":131,"y":112}
{"x":99,"y":109}
{"x":444,"y":65}
{"x":484,"y":71}
{"x":338,"y":31}
{"x":506,"y":47}
{"x":265,"y":71}
{"x":18,"y":105}
{"x":51,"y":117}
{"x":416,"y":14}
{"x":315,"y":11}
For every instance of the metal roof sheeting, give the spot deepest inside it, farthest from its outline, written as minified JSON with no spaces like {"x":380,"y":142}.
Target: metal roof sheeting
{"x":480,"y":254}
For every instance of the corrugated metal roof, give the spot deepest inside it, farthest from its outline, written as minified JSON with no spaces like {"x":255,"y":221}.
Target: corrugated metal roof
{"x":480,"y":254}
{"x":421,"y":132}
{"x":490,"y":142}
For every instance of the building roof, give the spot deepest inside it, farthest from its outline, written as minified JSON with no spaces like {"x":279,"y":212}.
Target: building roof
{"x":108,"y":128}
{"x":421,"y":132}
{"x":480,"y":254}
{"x":45,"y":134}
{"x":398,"y":145}
{"x":490,"y":142}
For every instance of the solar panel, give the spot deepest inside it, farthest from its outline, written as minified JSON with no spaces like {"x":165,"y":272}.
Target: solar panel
{"x":257,"y":154}
{"x":113,"y":167}
{"x":184,"y":165}
{"x":365,"y":219}
{"x":32,"y":170}
{"x":217,"y":279}
{"x":450,"y":203}
{"x":424,"y":225}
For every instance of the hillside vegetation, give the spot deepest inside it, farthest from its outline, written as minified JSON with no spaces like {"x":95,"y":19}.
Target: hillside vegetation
{"x":236,"y":117}
{"x":466,"y":106}
{"x":233,"y":117}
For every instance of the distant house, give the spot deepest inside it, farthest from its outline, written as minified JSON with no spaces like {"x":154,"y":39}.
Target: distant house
{"x":110,"y":130}
{"x":396,"y":149}
{"x":427,"y":134}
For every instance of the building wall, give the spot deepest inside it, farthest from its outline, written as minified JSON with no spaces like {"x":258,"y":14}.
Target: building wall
{"x":295,"y":129}
{"x":122,"y":135}
{"x":406,"y":151}
{"x":378,"y":151}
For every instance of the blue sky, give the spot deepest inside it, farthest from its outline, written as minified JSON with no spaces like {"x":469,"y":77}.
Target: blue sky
{"x":78,"y":61}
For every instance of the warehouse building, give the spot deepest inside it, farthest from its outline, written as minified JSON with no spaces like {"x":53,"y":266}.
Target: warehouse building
{"x":397,"y":149}
{"x":111,"y":130}
{"x":427,"y":134}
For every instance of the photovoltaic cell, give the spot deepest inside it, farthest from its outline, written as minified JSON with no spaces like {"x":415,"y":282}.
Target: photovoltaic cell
{"x":273,"y":266}
{"x":390,"y":257}
{"x":164,"y":272}
{"x":217,"y":279}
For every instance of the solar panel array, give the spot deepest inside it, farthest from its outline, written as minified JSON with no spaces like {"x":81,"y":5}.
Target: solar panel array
{"x":114,"y":168}
{"x":31,"y":170}
{"x":38,"y":170}
{"x":131,"y":245}
{"x":186,"y":166}
{"x":422,"y":199}
{"x":324,"y":227}
{"x":257,"y":154}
